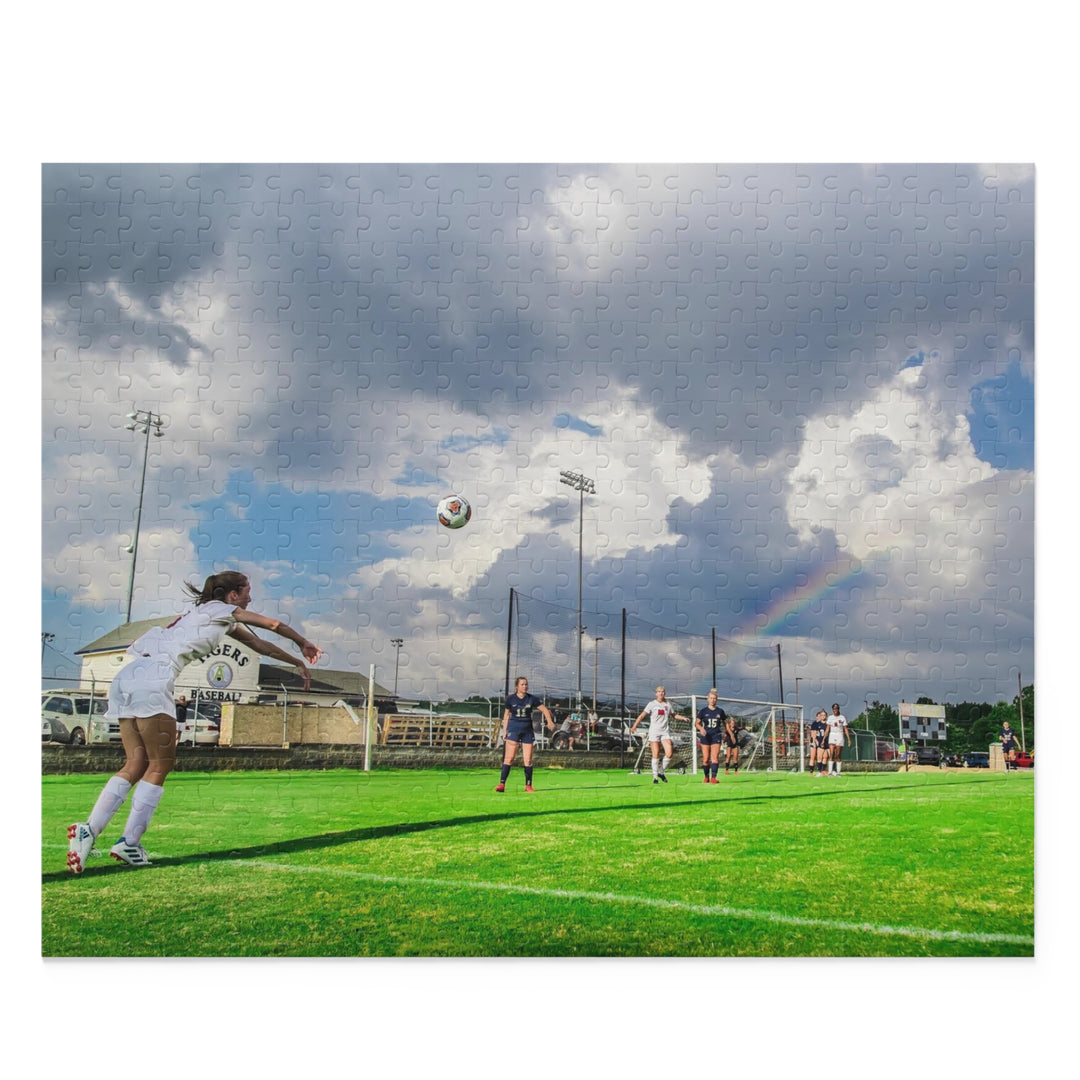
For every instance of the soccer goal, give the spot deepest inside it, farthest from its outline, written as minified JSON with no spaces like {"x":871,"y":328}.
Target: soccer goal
{"x":770,"y":734}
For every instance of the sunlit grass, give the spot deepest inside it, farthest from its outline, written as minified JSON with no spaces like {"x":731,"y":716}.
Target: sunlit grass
{"x":342,"y":863}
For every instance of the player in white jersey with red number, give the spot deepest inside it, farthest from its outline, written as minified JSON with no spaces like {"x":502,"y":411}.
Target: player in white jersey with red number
{"x":141,"y":699}
{"x":660,"y":713}
{"x":838,"y":734}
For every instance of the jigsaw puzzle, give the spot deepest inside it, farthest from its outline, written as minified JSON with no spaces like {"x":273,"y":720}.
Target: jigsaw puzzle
{"x":628,"y":432}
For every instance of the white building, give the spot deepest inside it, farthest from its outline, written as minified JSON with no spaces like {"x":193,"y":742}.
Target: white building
{"x":233,"y":672}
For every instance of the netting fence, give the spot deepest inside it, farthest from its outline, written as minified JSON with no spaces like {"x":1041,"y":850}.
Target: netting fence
{"x":620,"y":657}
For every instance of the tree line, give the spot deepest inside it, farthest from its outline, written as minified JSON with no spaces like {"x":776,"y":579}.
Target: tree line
{"x":969,"y":725}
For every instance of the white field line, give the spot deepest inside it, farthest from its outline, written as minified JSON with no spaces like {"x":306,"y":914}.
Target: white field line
{"x":644,"y":901}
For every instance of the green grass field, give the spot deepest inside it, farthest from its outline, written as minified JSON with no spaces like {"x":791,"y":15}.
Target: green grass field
{"x":404,"y":863}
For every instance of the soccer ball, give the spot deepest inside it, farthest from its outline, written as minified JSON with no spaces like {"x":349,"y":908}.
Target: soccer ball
{"x":454,"y":511}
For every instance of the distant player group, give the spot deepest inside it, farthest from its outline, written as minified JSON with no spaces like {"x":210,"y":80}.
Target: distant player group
{"x":717,"y":732}
{"x":828,"y":736}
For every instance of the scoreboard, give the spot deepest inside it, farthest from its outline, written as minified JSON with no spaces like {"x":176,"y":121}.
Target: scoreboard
{"x":922,"y":722}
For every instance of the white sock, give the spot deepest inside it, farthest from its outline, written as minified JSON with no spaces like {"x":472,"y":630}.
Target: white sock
{"x":838,"y":768}
{"x":144,"y":802}
{"x":108,"y":802}
{"x":656,"y":768}
{"x":667,"y":762}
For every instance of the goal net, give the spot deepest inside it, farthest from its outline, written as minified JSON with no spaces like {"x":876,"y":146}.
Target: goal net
{"x":770,"y":735}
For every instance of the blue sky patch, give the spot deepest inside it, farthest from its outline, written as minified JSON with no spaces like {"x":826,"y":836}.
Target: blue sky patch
{"x":1002,"y":417}
{"x":575,"y":423}
{"x":459,"y":444}
{"x":334,"y":530}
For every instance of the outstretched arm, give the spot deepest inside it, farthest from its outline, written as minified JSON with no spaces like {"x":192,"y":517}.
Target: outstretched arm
{"x":268,"y":648}
{"x":311,"y":651}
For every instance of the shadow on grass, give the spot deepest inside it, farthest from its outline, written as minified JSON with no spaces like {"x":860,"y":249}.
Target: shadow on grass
{"x":379,"y":832}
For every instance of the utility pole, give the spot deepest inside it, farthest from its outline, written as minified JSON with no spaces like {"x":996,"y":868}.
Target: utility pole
{"x":1020,"y":701}
{"x":596,"y":657}
{"x":780,"y":669}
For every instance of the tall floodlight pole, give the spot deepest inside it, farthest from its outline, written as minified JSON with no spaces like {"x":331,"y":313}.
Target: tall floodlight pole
{"x":397,"y":643}
{"x":581,"y":484}
{"x":143,"y":422}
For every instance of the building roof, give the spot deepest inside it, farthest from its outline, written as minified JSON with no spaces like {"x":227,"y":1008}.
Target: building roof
{"x":350,"y":683}
{"x":123,"y":636}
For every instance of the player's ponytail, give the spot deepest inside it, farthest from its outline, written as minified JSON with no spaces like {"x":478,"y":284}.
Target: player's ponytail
{"x":216,"y":586}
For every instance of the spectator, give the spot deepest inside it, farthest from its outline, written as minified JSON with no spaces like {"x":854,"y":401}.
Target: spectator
{"x":181,"y":705}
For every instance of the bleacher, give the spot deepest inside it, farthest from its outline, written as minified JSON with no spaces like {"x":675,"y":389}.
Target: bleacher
{"x":451,"y":730}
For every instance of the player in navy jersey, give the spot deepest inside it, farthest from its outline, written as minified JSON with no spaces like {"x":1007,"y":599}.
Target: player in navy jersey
{"x":1008,"y":746}
{"x":710,"y":725}
{"x":517,"y":729}
{"x":819,"y":733}
{"x":731,"y":746}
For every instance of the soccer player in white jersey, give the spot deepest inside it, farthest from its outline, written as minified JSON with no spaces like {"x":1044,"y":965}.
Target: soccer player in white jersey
{"x":838,"y":734}
{"x":660,"y":713}
{"x":141,"y":699}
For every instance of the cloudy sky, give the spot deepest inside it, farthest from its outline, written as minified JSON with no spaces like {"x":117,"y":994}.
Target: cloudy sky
{"x":805,"y":395}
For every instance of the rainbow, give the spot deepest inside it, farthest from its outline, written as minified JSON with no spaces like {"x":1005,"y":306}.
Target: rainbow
{"x":826,"y":578}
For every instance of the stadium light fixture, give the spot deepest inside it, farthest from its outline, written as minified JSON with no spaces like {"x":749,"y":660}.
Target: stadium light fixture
{"x":144,"y":422}
{"x":397,"y":643}
{"x":582,"y":485}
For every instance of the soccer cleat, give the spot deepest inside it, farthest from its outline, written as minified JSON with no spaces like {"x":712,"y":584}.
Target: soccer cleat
{"x":80,"y":842}
{"x":663,"y":777}
{"x":500,"y":787}
{"x":715,"y":780}
{"x":706,"y":780}
{"x":725,"y":772}
{"x":655,"y":781}
{"x":132,"y":854}
{"x":528,"y":787}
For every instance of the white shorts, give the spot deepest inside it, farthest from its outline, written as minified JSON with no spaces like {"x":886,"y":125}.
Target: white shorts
{"x":834,"y":741}
{"x":142,"y":688}
{"x":659,"y":731}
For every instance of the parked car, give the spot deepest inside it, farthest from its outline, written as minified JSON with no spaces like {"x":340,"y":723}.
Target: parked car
{"x":202,"y":728}
{"x":70,"y":716}
{"x":977,"y":759}
{"x":607,"y":734}
{"x":927,"y":755}
{"x":1024,"y":760}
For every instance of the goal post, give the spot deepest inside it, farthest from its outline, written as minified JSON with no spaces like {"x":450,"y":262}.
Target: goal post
{"x":771,"y":735}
